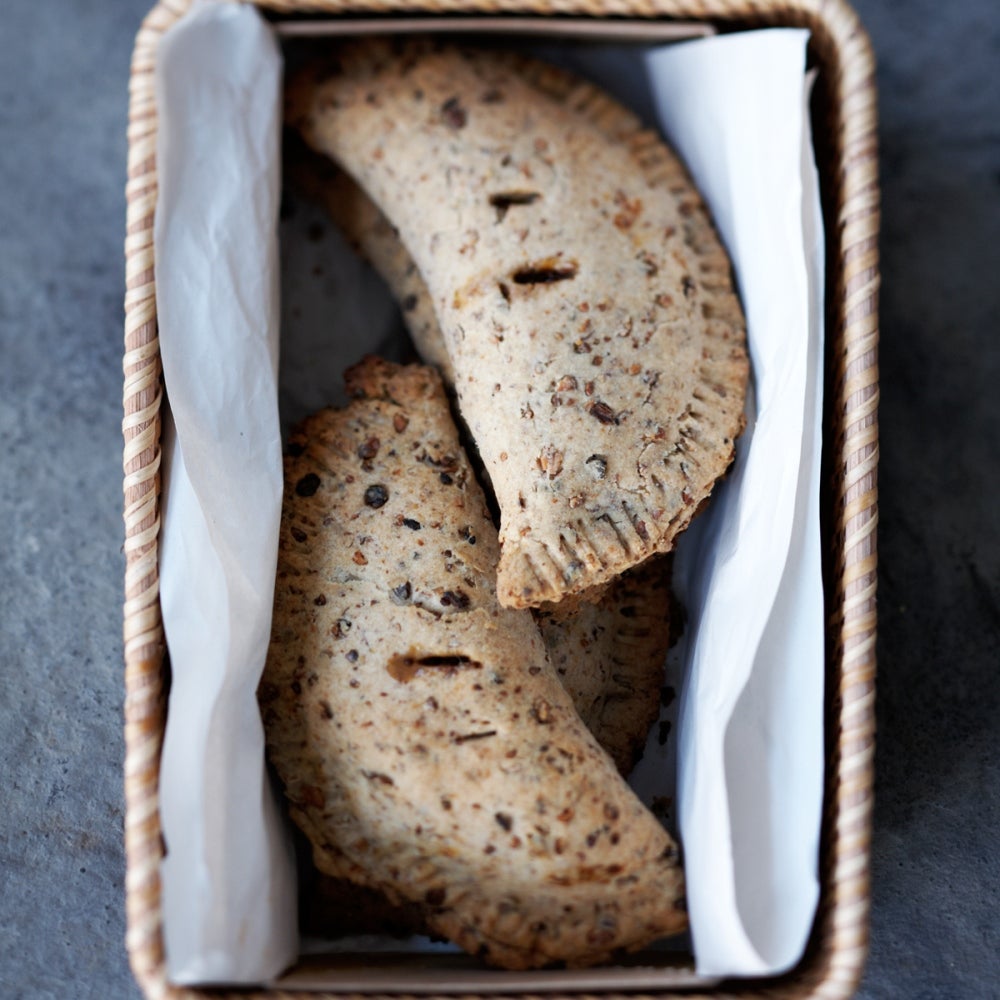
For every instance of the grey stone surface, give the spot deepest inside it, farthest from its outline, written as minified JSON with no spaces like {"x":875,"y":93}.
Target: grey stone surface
{"x":936,"y":863}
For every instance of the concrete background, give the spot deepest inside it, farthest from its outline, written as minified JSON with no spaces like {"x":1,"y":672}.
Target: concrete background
{"x":935,"y":928}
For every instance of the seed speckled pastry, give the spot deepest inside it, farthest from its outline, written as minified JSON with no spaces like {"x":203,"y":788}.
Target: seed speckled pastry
{"x":609,"y":653}
{"x":375,"y":238}
{"x":586,"y":304}
{"x":425,"y":742}
{"x":610,"y":656}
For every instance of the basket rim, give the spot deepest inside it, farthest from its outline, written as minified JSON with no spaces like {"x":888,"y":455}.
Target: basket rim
{"x":833,"y":964}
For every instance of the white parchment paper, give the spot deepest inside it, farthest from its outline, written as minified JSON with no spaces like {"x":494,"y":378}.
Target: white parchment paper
{"x":750,"y":783}
{"x":228,"y":877}
{"x":750,"y":748}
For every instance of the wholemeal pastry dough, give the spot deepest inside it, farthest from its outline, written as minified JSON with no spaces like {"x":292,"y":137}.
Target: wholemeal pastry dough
{"x":609,"y":651}
{"x":610,"y":656}
{"x":426,"y":745}
{"x":610,"y":659}
{"x":586,"y":305}
{"x":375,"y":238}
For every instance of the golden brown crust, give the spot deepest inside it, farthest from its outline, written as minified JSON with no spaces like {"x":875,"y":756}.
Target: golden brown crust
{"x":585,"y":301}
{"x":427,"y":747}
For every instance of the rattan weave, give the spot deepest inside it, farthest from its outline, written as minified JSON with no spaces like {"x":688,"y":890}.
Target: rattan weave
{"x":845,"y":129}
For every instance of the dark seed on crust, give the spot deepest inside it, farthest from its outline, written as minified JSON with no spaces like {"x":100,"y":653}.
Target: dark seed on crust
{"x":376,"y":496}
{"x":369,"y":449}
{"x":598,"y":466}
{"x":602,"y":412}
{"x":455,"y":599}
{"x":307,"y":485}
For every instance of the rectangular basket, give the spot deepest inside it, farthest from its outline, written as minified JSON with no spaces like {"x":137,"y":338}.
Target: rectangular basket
{"x":844,"y":126}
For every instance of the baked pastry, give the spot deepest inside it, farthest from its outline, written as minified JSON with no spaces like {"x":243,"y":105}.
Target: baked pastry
{"x":610,"y":656}
{"x":426,"y":745}
{"x":375,"y":238}
{"x":610,"y":653}
{"x":585,"y":301}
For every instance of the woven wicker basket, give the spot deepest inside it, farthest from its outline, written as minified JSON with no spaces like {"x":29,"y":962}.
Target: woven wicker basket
{"x":845,"y":131}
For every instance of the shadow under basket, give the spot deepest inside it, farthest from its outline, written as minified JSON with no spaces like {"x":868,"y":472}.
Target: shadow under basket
{"x":844,"y":128}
